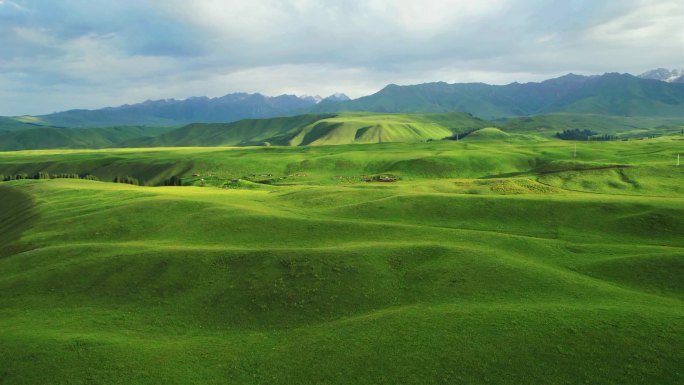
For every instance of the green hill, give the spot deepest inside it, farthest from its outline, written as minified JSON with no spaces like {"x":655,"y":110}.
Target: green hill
{"x":322,"y":129}
{"x":479,"y":160}
{"x":484,"y":262}
{"x":488,"y":133}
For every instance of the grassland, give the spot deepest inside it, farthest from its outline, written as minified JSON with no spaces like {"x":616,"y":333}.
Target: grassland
{"x":327,"y":129}
{"x":500,"y":258}
{"x":37,"y":138}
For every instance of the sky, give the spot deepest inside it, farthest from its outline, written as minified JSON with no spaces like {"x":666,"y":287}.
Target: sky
{"x":60,"y":55}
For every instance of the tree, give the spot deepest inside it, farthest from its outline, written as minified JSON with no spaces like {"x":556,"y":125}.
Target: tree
{"x":173,"y":181}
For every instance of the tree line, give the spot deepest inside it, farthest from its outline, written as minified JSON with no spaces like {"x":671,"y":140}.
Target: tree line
{"x":45,"y":175}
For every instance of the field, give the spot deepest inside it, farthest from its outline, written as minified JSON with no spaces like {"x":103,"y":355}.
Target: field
{"x":502,"y":258}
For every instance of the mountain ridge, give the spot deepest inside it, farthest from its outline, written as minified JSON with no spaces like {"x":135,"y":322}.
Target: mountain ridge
{"x":610,"y":94}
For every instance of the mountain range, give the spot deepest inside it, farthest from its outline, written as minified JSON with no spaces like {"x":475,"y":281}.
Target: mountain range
{"x":247,"y":119}
{"x":610,"y":94}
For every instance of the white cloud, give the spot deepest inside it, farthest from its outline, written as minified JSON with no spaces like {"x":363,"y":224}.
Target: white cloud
{"x":647,"y":22}
{"x":72,"y":54}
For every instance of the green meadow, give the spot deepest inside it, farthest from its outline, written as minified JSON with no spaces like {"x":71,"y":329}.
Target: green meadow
{"x":501,"y":258}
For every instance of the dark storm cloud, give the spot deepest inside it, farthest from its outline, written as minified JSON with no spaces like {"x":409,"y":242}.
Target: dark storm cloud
{"x":68,"y":54}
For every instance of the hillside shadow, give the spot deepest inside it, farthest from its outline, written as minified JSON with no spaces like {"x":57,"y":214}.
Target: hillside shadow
{"x":17,"y":214}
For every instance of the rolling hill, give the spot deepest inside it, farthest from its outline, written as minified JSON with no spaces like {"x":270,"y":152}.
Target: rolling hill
{"x":321,"y":129}
{"x":608,"y":94}
{"x":332,"y":129}
{"x":485,"y":262}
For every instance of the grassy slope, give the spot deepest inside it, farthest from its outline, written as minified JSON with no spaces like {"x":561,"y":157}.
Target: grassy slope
{"x":438,"y":278}
{"x":48,"y":137}
{"x":325,"y":129}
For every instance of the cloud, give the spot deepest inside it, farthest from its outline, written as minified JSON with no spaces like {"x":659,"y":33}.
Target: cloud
{"x":76,"y":54}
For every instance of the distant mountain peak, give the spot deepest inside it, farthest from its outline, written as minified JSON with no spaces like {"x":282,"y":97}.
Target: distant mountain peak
{"x":567,"y":78}
{"x":390,"y":86}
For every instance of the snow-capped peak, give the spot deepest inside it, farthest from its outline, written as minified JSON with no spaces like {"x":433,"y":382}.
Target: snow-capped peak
{"x":664,"y":75}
